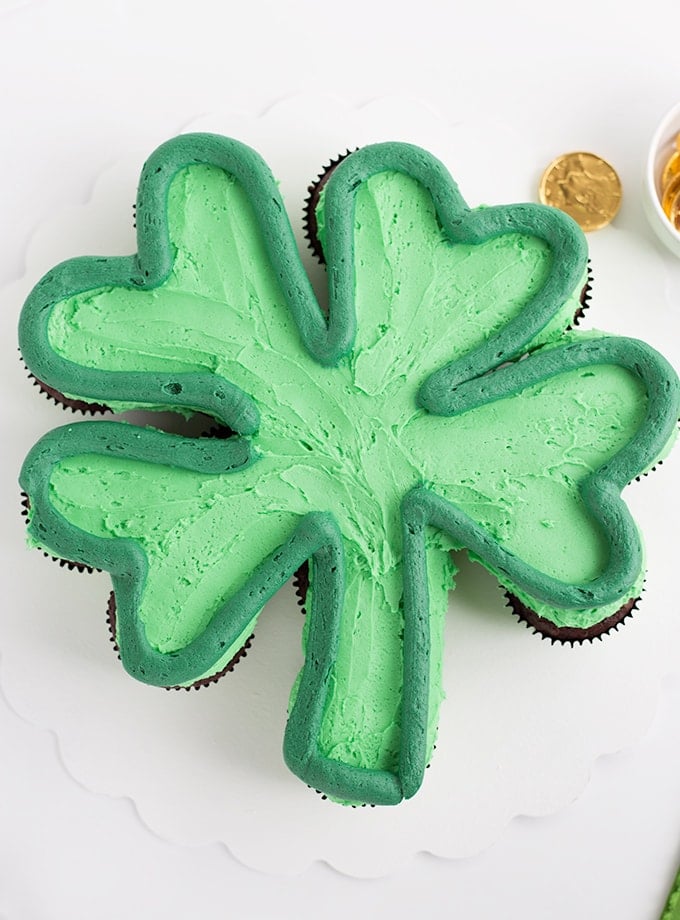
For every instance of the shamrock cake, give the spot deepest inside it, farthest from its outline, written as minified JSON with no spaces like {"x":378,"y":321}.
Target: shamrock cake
{"x":441,"y":402}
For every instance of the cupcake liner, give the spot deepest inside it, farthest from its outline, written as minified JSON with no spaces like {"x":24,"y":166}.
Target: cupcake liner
{"x":301,"y":586}
{"x":311,"y":201}
{"x":75,"y":405}
{"x":64,"y":563}
{"x":586,"y":297}
{"x":568,"y":635}
{"x":197,"y":684}
{"x":652,"y":469}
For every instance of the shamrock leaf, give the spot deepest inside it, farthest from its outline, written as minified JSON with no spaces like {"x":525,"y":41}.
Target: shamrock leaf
{"x":370,"y":441}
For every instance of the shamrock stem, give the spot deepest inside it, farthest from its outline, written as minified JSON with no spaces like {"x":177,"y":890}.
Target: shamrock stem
{"x":362,"y":723}
{"x":302,"y":750}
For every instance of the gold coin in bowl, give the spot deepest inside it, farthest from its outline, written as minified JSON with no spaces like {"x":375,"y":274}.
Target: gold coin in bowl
{"x":583,"y":185}
{"x":674,"y":215}
{"x":671,"y":169}
{"x":670,"y":193}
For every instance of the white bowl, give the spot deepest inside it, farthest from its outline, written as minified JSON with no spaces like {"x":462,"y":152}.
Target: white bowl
{"x":660,"y":149}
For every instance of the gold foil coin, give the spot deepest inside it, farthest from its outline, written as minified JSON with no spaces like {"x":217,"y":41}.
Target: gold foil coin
{"x":671,"y":169}
{"x":674,"y":216}
{"x":670,"y":194}
{"x":670,"y":185}
{"x":583,"y":185}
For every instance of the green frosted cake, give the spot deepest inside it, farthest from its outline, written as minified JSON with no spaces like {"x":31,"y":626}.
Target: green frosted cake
{"x":442,"y":402}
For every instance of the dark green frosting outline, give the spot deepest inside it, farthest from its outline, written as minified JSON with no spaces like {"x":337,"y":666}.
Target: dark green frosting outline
{"x":457,"y":387}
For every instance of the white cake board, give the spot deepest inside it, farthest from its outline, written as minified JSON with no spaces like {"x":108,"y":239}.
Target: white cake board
{"x":523,"y":721}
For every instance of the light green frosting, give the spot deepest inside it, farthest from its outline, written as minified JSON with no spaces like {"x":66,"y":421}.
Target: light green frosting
{"x":514,"y":466}
{"x":364,"y":433}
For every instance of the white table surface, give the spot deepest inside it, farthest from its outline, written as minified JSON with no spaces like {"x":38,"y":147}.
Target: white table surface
{"x":83,"y":84}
